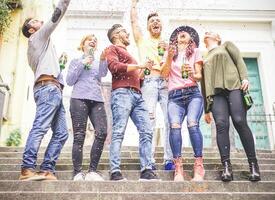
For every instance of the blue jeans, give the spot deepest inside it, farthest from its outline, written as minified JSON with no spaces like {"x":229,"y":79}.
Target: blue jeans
{"x":50,"y":112}
{"x":154,"y":90}
{"x":185,"y":102}
{"x":127,"y":103}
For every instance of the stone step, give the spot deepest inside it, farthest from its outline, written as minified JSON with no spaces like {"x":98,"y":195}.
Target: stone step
{"x":137,"y":195}
{"x":136,"y":160}
{"x":267,"y":175}
{"x":136,"y":166}
{"x":137,"y":186}
{"x":128,"y":154}
{"x":126,"y":148}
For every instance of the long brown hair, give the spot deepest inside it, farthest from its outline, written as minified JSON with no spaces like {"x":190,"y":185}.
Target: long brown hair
{"x":189,"y":50}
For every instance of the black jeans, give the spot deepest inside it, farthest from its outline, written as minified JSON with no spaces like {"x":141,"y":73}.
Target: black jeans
{"x":230,"y":103}
{"x":80,"y":111}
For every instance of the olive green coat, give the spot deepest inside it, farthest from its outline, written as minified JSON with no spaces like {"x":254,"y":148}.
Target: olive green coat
{"x":223,"y":68}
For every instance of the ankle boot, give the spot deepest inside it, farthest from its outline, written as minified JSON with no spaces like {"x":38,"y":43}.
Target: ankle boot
{"x":178,"y":175}
{"x":254,"y":172}
{"x":227,"y":174}
{"x":198,"y":170}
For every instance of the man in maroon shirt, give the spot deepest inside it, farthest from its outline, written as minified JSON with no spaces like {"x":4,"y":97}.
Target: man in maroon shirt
{"x":126,"y":101}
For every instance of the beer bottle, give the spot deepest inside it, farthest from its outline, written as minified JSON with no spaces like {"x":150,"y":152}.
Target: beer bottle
{"x":62,"y":61}
{"x":147,"y":71}
{"x":161,"y":51}
{"x":247,"y":99}
{"x":185,"y":63}
{"x":91,"y":53}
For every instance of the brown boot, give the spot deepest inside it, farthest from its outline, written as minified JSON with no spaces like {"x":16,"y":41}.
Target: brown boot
{"x":49,"y":176}
{"x":178,"y":176}
{"x":30,"y":175}
{"x":199,"y":171}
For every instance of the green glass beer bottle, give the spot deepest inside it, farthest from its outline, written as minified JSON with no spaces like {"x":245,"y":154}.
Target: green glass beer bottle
{"x":247,"y":99}
{"x":62,"y":61}
{"x":161,"y":51}
{"x":184,"y":73}
{"x":91,"y":53}
{"x":147,"y":71}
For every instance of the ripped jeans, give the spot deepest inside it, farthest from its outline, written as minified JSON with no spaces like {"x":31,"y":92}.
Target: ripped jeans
{"x":185,"y":102}
{"x":155,"y":90}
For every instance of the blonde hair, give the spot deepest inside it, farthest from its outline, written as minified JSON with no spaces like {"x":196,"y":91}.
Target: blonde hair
{"x":83,"y":40}
{"x":214,"y":35}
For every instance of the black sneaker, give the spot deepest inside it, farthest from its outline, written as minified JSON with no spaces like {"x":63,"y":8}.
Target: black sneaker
{"x":148,"y":175}
{"x":117,"y":176}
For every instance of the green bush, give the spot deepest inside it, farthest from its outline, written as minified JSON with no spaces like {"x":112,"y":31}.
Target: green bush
{"x":4,"y":16}
{"x":6,"y":6}
{"x":14,"y":139}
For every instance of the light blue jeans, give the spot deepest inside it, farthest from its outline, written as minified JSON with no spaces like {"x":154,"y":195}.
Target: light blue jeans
{"x":185,"y":102}
{"x":50,"y":113}
{"x":154,"y":90}
{"x":127,"y":103}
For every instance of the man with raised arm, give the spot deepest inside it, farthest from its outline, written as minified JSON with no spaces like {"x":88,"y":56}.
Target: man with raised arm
{"x":154,"y":88}
{"x":48,"y":84}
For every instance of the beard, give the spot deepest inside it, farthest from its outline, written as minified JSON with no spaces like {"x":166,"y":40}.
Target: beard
{"x":155,"y":33}
{"x":126,"y":43}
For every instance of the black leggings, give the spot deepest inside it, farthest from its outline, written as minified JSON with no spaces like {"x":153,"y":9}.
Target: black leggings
{"x":230,"y":103}
{"x":80,"y":111}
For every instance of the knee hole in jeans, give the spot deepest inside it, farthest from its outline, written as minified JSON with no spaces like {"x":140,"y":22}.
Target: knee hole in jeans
{"x":175,"y":125}
{"x":191,"y":124}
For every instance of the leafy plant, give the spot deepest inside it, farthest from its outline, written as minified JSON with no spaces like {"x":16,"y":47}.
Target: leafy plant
{"x":6,"y":6}
{"x":14,"y":139}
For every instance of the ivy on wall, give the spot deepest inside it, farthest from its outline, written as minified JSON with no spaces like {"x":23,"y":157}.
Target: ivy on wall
{"x":6,"y":7}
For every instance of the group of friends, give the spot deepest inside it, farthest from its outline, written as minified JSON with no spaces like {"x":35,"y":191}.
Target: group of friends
{"x":167,"y":72}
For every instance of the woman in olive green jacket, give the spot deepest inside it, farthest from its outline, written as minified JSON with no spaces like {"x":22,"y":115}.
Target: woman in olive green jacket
{"x":224,"y":81}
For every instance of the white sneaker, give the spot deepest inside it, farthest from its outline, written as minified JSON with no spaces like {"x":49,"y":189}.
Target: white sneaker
{"x":79,"y":177}
{"x":93,"y":176}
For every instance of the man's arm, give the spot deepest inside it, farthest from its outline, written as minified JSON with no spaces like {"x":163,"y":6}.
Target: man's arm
{"x":115,"y":66}
{"x":46,"y":30}
{"x":134,"y":22}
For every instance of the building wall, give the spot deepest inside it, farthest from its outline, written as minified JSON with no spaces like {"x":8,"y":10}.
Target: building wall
{"x":248,"y":23}
{"x":14,"y":69}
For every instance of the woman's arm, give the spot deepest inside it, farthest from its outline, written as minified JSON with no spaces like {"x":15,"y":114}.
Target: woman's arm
{"x":165,"y":67}
{"x":198,"y":71}
{"x":75,"y":69}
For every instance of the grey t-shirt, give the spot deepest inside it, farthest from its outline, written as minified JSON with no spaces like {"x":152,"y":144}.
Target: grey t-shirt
{"x":42,"y":55}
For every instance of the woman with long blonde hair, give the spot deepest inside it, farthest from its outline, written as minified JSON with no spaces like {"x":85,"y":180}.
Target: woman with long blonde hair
{"x":84,"y":75}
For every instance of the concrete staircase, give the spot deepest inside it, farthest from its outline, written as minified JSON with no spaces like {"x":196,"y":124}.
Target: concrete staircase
{"x":211,"y":188}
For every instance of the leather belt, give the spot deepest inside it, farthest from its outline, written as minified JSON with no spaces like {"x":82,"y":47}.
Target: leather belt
{"x":46,"y":80}
{"x":134,"y":90}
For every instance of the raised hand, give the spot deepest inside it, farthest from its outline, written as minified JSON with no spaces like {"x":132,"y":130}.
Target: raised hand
{"x":163,"y":44}
{"x":87,"y":60}
{"x":148,"y":64}
{"x":103,"y":54}
{"x":171,"y":51}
